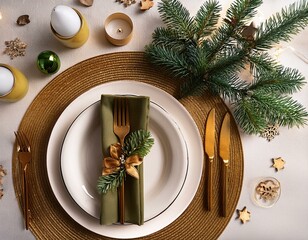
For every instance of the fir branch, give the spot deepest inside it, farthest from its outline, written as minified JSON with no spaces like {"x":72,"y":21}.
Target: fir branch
{"x":221,"y":38}
{"x":241,"y":11}
{"x":193,"y":86}
{"x":229,"y":61}
{"x":281,"y":26}
{"x":138,"y":142}
{"x":282,"y":81}
{"x":196,"y":57}
{"x":169,"y":39}
{"x":247,"y":116}
{"x":227,"y":86}
{"x":281,"y":109}
{"x":211,"y":59}
{"x":253,"y":113}
{"x":110,"y":182}
{"x":262,"y":61}
{"x":237,"y":15}
{"x":176,"y":17}
{"x":169,"y":59}
{"x":206,"y":18}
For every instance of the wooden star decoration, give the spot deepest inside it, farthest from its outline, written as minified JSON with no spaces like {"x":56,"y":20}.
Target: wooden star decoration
{"x":278,"y":163}
{"x":146,"y":4}
{"x":243,"y":215}
{"x":248,"y":32}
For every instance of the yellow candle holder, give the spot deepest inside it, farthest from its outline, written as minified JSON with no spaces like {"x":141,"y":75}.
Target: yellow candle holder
{"x":20,"y":86}
{"x":117,"y":34}
{"x":79,"y":38}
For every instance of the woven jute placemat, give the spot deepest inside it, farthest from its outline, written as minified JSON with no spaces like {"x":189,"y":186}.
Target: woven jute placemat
{"x":49,"y":220}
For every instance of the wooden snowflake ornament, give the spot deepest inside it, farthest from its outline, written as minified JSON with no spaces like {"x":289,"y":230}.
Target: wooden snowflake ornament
{"x":146,"y":4}
{"x":270,"y":132}
{"x":278,"y":163}
{"x":243,"y":215}
{"x":268,"y":190}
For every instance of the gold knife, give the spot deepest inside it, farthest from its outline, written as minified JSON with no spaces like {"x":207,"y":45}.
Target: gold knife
{"x":209,"y":146}
{"x":224,"y":153}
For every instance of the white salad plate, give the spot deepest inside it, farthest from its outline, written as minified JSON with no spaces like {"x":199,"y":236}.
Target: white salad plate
{"x":186,"y":132}
{"x":165,"y":167}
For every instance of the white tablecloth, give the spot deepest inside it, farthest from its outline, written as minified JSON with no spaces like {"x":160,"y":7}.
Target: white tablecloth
{"x":288,"y":219}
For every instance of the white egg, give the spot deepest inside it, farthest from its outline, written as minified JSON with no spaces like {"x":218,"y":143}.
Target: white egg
{"x":65,"y":21}
{"x":6,"y":81}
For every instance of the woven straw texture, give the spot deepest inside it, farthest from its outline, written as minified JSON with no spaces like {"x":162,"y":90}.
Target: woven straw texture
{"x":49,"y":220}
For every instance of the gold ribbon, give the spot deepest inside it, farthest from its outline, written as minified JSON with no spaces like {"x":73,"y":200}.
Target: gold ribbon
{"x":113,"y":163}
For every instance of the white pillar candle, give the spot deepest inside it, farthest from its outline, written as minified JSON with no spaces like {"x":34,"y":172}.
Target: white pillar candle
{"x":6,"y":81}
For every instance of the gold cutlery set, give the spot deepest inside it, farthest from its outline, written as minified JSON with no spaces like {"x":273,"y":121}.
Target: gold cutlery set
{"x":224,"y":155}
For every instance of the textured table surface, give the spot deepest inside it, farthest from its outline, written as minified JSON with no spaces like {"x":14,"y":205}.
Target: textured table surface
{"x":288,"y":219}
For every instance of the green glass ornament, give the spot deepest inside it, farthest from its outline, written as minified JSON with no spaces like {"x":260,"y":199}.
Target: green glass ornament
{"x":48,"y":62}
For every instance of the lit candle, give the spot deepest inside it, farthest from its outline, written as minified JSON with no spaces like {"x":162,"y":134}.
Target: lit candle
{"x":119,"y":29}
{"x":13,"y":84}
{"x":0,"y":15}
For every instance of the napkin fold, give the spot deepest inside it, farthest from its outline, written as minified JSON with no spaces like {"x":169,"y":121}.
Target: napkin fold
{"x":133,"y":196}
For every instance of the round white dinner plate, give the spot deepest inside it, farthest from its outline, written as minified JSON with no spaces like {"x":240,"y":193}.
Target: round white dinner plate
{"x":165,"y":167}
{"x":190,"y":134}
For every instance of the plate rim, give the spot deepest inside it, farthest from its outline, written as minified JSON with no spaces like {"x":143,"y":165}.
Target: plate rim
{"x":131,"y":231}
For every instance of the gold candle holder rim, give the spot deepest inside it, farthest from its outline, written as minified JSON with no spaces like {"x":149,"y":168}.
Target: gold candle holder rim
{"x":122,"y":16}
{"x":67,"y":38}
{"x":8,"y":68}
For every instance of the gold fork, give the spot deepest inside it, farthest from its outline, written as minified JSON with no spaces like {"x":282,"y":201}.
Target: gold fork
{"x":24,"y":157}
{"x":121,"y":128}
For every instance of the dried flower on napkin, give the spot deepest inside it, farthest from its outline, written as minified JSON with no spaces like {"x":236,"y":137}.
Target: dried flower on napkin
{"x":278,"y":163}
{"x":23,"y":20}
{"x":15,"y":48}
{"x":243,"y":215}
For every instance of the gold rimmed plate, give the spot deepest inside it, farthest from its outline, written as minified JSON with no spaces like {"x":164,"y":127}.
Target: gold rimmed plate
{"x":175,"y":205}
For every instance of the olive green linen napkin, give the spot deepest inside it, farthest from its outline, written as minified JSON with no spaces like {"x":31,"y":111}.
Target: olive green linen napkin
{"x":133,"y":196}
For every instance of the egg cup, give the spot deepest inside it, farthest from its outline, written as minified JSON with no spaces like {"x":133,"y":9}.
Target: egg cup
{"x":20,"y":87}
{"x":79,"y":38}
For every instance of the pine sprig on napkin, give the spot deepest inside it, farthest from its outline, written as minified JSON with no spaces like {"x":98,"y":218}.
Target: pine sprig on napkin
{"x":138,"y":142}
{"x":110,"y":182}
